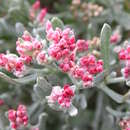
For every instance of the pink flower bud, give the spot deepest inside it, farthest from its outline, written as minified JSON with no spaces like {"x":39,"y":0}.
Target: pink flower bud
{"x":1,"y":102}
{"x":42,"y":14}
{"x":36,"y":5}
{"x":115,"y":38}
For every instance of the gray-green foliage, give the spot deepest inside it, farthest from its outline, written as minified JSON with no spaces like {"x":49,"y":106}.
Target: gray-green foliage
{"x":37,"y":84}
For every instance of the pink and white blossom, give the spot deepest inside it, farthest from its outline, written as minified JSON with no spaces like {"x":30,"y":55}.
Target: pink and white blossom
{"x":62,"y":96}
{"x":18,"y":117}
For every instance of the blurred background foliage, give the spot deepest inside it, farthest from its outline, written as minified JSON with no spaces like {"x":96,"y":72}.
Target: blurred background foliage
{"x":14,"y":18}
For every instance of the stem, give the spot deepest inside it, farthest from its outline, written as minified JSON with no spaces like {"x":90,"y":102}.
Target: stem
{"x":9,"y":79}
{"x":1,"y":122}
{"x":112,"y":94}
{"x":115,"y":80}
{"x":98,"y":111}
{"x":26,"y":79}
{"x":117,"y":113}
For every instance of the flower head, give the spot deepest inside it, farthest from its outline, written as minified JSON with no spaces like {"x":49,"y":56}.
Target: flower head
{"x":124,"y":55}
{"x":30,"y":48}
{"x":86,"y":70}
{"x":12,"y":63}
{"x":63,"y":41}
{"x":62,"y":96}
{"x":18,"y":117}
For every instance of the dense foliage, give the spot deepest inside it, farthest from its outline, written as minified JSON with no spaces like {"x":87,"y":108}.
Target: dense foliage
{"x":64,"y":65}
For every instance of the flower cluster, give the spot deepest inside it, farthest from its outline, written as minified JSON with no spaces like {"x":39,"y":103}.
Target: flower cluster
{"x":124,"y":55}
{"x":62,"y":96}
{"x":85,"y":10}
{"x":30,"y":48}
{"x":12,"y":63}
{"x":35,"y":14}
{"x":125,"y":124}
{"x":62,"y":47}
{"x":87,"y":68}
{"x":18,"y":117}
{"x":82,"y":45}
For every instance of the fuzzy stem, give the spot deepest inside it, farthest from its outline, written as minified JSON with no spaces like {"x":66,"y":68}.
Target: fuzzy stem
{"x":98,"y":111}
{"x":115,"y":80}
{"x":117,"y":113}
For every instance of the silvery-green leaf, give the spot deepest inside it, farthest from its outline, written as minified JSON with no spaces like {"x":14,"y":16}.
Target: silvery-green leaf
{"x":105,"y":42}
{"x":118,"y":114}
{"x":44,"y":85}
{"x":19,"y":27}
{"x":107,"y":124}
{"x":26,"y":79}
{"x":18,"y":81}
{"x":126,"y":96}
{"x":128,"y":82}
{"x":38,"y":91}
{"x":33,"y":111}
{"x":56,"y":22}
{"x":6,"y":30}
{"x":42,"y":121}
{"x":81,"y":101}
{"x":113,"y":95}
{"x":73,"y":111}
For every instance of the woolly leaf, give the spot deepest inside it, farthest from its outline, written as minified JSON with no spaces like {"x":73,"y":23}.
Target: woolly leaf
{"x":42,"y":88}
{"x":38,"y":91}
{"x":105,"y":38}
{"x":73,"y":110}
{"x":18,"y":81}
{"x":34,"y":110}
{"x":19,"y":27}
{"x":113,"y":95}
{"x":26,"y":79}
{"x":81,"y":101}
{"x":128,"y":83}
{"x":115,"y":113}
{"x":42,"y":121}
{"x":56,"y":22}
